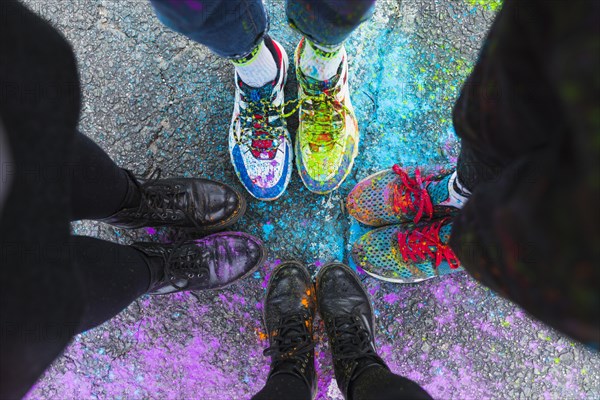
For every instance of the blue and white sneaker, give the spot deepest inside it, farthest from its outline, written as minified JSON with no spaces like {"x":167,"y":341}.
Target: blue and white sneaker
{"x":259,"y":142}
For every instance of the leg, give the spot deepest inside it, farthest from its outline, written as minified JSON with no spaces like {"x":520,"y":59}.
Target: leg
{"x":229,"y":28}
{"x":381,"y":384}
{"x":113,"y":276}
{"x":284,"y":386}
{"x":99,"y":187}
{"x":529,"y":230}
{"x":328,"y":23}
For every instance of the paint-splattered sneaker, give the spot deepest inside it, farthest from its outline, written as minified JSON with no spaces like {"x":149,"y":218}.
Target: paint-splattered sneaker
{"x":327,"y":139}
{"x":259,"y":142}
{"x":407,"y":253}
{"x":399,"y":195}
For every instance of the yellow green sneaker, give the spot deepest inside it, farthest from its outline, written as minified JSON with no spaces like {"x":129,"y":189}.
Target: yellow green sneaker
{"x":327,"y":139}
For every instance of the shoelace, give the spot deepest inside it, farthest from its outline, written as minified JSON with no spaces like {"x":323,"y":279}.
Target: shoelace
{"x":325,"y":118}
{"x":153,"y":200}
{"x":292,"y":341}
{"x":256,"y":126}
{"x":184,"y":266}
{"x":417,"y":245}
{"x":352,"y":340}
{"x":412,"y":194}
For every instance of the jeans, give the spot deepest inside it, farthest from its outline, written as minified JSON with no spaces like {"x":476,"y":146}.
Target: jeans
{"x":528,"y":120}
{"x":233,"y":28}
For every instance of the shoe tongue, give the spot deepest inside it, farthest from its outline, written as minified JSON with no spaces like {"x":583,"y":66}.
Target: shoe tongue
{"x":315,"y":87}
{"x":254,"y":94}
{"x":438,"y":191}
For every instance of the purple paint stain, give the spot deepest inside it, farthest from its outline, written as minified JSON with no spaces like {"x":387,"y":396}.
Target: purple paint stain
{"x":194,"y":5}
{"x":391,"y":298}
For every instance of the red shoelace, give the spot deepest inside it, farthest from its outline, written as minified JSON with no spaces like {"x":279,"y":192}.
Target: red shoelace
{"x":417,"y":245}
{"x":412,"y":195}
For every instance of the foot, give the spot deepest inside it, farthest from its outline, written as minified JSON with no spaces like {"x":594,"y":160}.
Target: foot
{"x":327,"y":140}
{"x":288,"y":315}
{"x":346,"y":310}
{"x":259,"y":142}
{"x":407,"y":253}
{"x":406,"y":194}
{"x":182,"y":203}
{"x":213,"y":262}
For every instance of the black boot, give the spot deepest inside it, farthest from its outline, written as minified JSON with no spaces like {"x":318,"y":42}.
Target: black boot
{"x":347,"y":313}
{"x":288,"y":314}
{"x":179,"y":202}
{"x":213,"y":262}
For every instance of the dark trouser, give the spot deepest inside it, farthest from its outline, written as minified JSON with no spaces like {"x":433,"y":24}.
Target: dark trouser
{"x":112,"y":275}
{"x":232,"y":28}
{"x":528,"y":120}
{"x":372,"y":384}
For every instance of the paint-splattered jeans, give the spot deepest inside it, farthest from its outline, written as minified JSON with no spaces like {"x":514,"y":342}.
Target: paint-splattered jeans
{"x":232,"y":28}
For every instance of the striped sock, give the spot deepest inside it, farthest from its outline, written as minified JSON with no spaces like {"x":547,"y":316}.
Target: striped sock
{"x":258,"y":68}
{"x":319,"y":62}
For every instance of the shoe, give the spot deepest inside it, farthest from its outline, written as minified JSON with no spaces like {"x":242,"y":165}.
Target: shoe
{"x":346,"y":310}
{"x":213,"y":262}
{"x":407,"y":253}
{"x":181,"y":203}
{"x":259,"y":142}
{"x":400,"y":195}
{"x":288,"y":316}
{"x":327,"y":138}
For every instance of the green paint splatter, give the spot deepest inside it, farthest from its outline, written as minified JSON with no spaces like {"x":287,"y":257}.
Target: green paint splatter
{"x":505,"y":323}
{"x":556,"y":360}
{"x":491,"y":5}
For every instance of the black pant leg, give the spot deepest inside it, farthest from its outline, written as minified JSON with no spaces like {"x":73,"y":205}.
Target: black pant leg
{"x":531,"y":232}
{"x":112,"y":276}
{"x":284,"y":386}
{"x":382,"y":384}
{"x":98,"y":186}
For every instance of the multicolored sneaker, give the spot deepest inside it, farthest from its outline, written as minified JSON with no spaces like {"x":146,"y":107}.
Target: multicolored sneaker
{"x":327,"y":139}
{"x":407,"y":253}
{"x":400,"y":195}
{"x":259,"y":142}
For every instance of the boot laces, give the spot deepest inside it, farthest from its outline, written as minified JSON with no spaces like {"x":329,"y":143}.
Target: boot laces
{"x":293,"y":339}
{"x":155,"y":202}
{"x":412,"y":195}
{"x":352,"y":339}
{"x":185,"y":264}
{"x":425,"y":243}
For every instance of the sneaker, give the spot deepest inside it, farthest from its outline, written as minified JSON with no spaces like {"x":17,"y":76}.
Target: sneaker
{"x":201,"y":204}
{"x":213,"y":262}
{"x":348,"y":316}
{"x":400,"y":195}
{"x":288,"y":316}
{"x":407,"y":253}
{"x":259,"y":142}
{"x":327,"y":139}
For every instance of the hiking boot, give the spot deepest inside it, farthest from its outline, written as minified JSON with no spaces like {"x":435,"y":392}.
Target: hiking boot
{"x":259,"y":142}
{"x":288,"y":316}
{"x":406,"y":194}
{"x":213,"y":262}
{"x":201,"y":204}
{"x":327,"y":138}
{"x":407,"y":253}
{"x":346,"y":310}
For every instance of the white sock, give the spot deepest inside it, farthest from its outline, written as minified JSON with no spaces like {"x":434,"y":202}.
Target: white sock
{"x":257,"y":69}
{"x":458,"y":194}
{"x":319,"y":62}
